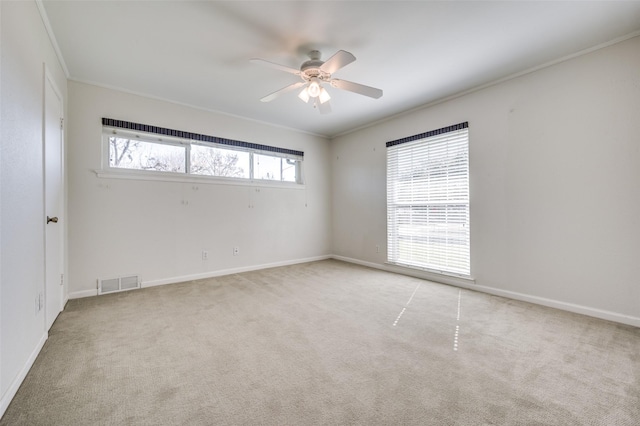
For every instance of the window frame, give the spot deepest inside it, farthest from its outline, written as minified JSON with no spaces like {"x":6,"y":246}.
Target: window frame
{"x":147,"y":139}
{"x":107,"y":170}
{"x":394,"y":222}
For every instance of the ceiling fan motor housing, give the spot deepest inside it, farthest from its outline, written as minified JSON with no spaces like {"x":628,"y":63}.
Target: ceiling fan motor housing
{"x":311,"y":68}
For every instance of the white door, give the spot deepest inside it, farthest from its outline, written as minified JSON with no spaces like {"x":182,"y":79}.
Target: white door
{"x":53,"y":184}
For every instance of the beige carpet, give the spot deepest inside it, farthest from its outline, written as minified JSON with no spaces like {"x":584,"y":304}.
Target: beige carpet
{"x":327,"y":343}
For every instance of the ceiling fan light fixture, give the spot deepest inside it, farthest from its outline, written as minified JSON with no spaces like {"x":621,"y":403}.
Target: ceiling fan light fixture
{"x":304,"y":95}
{"x":314,"y":88}
{"x":323,"y":96}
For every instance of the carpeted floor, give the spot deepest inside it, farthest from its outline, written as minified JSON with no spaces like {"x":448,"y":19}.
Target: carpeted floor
{"x":327,"y":343}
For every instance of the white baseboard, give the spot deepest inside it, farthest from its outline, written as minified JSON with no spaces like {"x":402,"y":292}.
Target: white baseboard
{"x":204,"y":275}
{"x":231,"y":271}
{"x":450,"y":280}
{"x":565,"y":306}
{"x":17,"y":381}
{"x":83,"y":293}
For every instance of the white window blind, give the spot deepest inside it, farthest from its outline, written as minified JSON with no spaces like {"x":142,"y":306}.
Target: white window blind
{"x":428,"y":201}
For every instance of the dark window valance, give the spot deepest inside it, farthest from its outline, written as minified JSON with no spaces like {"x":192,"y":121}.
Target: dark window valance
{"x":428,"y":134}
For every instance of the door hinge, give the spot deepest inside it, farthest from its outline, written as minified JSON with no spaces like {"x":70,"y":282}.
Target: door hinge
{"x":61,"y":123}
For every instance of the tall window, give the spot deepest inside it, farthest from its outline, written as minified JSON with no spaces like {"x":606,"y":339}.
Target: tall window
{"x":428,"y":201}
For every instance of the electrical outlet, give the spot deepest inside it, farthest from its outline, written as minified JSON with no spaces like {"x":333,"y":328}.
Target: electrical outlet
{"x":205,"y":255}
{"x":41,"y":300}
{"x":236,"y":251}
{"x":377,"y":249}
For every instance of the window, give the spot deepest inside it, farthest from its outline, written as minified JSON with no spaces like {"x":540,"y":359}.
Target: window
{"x":266,"y":167}
{"x":212,"y":161}
{"x":143,"y":148}
{"x":428,"y":201}
{"x":137,"y":154}
{"x":274,"y":168}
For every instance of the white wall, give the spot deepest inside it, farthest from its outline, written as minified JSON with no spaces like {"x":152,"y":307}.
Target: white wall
{"x":158,"y":229}
{"x":2,"y":392}
{"x":25,"y":48}
{"x":555,"y":183}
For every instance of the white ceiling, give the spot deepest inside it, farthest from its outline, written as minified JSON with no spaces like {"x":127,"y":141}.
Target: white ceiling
{"x":197,"y":53}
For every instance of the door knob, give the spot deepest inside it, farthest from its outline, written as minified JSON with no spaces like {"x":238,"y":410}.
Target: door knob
{"x":52,"y":219}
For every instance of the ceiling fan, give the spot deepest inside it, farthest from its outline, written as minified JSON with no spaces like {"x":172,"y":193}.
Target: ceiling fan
{"x":314,"y":73}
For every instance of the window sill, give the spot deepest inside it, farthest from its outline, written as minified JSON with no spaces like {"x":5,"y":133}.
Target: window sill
{"x":204,"y":180}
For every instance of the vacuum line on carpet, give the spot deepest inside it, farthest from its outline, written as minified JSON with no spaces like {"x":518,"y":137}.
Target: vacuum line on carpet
{"x":413,"y":294}
{"x":399,"y":315}
{"x":406,"y":306}
{"x":456,"y":334}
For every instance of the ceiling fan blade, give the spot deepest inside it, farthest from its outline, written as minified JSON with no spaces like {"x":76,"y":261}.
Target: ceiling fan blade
{"x":360,"y":89}
{"x":286,"y":89}
{"x":324,"y":108}
{"x":274,"y":65}
{"x":340,"y":59}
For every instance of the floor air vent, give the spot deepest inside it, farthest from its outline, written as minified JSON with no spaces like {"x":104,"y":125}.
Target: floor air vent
{"x":113,"y":285}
